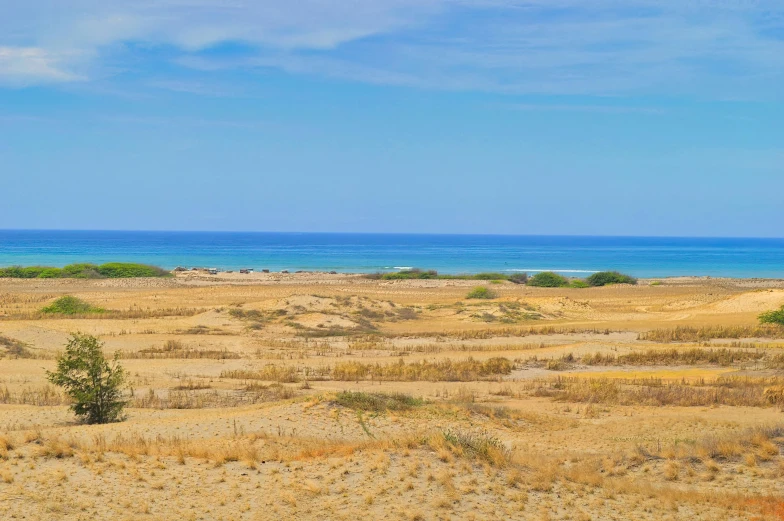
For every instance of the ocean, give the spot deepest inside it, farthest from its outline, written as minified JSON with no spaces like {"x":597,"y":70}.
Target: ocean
{"x":351,"y":253}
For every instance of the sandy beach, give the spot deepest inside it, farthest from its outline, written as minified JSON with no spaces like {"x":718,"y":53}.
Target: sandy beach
{"x":655,"y":401}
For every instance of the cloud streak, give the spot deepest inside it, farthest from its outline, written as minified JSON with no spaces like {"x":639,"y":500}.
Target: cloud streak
{"x":708,"y":48}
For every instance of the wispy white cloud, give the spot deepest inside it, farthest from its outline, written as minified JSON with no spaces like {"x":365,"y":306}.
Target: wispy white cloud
{"x":25,"y":65}
{"x":712,"y":48}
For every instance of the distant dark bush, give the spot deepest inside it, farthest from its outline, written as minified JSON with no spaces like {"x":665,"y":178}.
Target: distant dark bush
{"x":610,"y":277}
{"x":773,"y":317}
{"x":548,"y":279}
{"x":489,"y":276}
{"x":482,"y":292}
{"x":69,"y":305}
{"x":411,"y":274}
{"x":518,"y":278}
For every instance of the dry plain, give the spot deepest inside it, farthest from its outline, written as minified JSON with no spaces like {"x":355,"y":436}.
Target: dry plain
{"x":315,"y":396}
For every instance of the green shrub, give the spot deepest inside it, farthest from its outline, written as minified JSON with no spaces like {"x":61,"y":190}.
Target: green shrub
{"x":548,"y":279}
{"x":773,"y":317}
{"x":84,"y":271}
{"x":610,"y":277}
{"x":118,"y":270}
{"x":482,"y":292}
{"x":579,"y":283}
{"x":69,"y":305}
{"x":19,"y":272}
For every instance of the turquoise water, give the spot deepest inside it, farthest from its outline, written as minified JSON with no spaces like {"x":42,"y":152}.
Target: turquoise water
{"x":575,"y":256}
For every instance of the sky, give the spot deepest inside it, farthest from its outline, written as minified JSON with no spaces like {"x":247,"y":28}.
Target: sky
{"x":552,"y":117}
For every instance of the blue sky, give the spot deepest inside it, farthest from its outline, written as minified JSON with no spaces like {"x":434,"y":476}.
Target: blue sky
{"x":609,"y":117}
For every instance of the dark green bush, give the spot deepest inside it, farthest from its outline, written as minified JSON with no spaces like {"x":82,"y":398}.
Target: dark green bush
{"x":548,"y":279}
{"x":482,"y":292}
{"x":610,"y":277}
{"x":773,"y":317}
{"x":415,"y":273}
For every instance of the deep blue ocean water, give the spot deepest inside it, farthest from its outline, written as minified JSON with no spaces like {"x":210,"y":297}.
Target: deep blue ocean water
{"x":576,"y":256}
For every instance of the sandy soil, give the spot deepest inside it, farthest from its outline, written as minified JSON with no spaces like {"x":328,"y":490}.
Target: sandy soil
{"x":236,"y":414}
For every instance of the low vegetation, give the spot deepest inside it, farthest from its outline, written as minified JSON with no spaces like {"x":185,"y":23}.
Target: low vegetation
{"x":736,"y":392}
{"x":377,"y":402}
{"x":473,"y":444}
{"x":69,"y":305}
{"x":111,"y":270}
{"x":603,"y":278}
{"x":704,"y":334}
{"x":433,"y":274}
{"x":481,"y":292}
{"x":722,"y":357}
{"x":439,"y":371}
{"x":15,"y":348}
{"x":175,"y":349}
{"x":548,"y":279}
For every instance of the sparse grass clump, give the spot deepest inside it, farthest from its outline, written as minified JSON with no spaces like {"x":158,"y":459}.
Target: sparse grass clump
{"x":69,"y":305}
{"x":15,"y":348}
{"x":175,"y":349}
{"x":439,"y":371}
{"x":737,"y":392}
{"x":723,"y":357}
{"x":268,"y":373}
{"x":475,"y":445}
{"x":377,"y":402}
{"x":703,"y":334}
{"x":603,"y":278}
{"x":111,"y":270}
{"x":481,"y":292}
{"x":548,"y":279}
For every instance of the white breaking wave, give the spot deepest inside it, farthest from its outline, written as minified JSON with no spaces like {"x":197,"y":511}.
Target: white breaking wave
{"x":403,"y":267}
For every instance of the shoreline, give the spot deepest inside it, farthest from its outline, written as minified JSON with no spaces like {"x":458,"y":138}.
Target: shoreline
{"x":202,"y":278}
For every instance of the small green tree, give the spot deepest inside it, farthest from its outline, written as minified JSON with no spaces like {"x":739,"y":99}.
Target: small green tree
{"x":773,"y":317}
{"x":94,"y":384}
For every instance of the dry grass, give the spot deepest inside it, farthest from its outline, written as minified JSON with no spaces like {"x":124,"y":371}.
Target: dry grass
{"x":702,"y":334}
{"x":175,"y":349}
{"x":745,"y":392}
{"x":693,"y":356}
{"x":439,"y":371}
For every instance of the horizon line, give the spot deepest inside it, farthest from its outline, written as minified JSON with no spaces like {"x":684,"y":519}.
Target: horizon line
{"x":424,"y":234}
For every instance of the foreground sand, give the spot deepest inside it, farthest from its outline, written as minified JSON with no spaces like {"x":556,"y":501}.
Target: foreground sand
{"x":237,"y":413}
